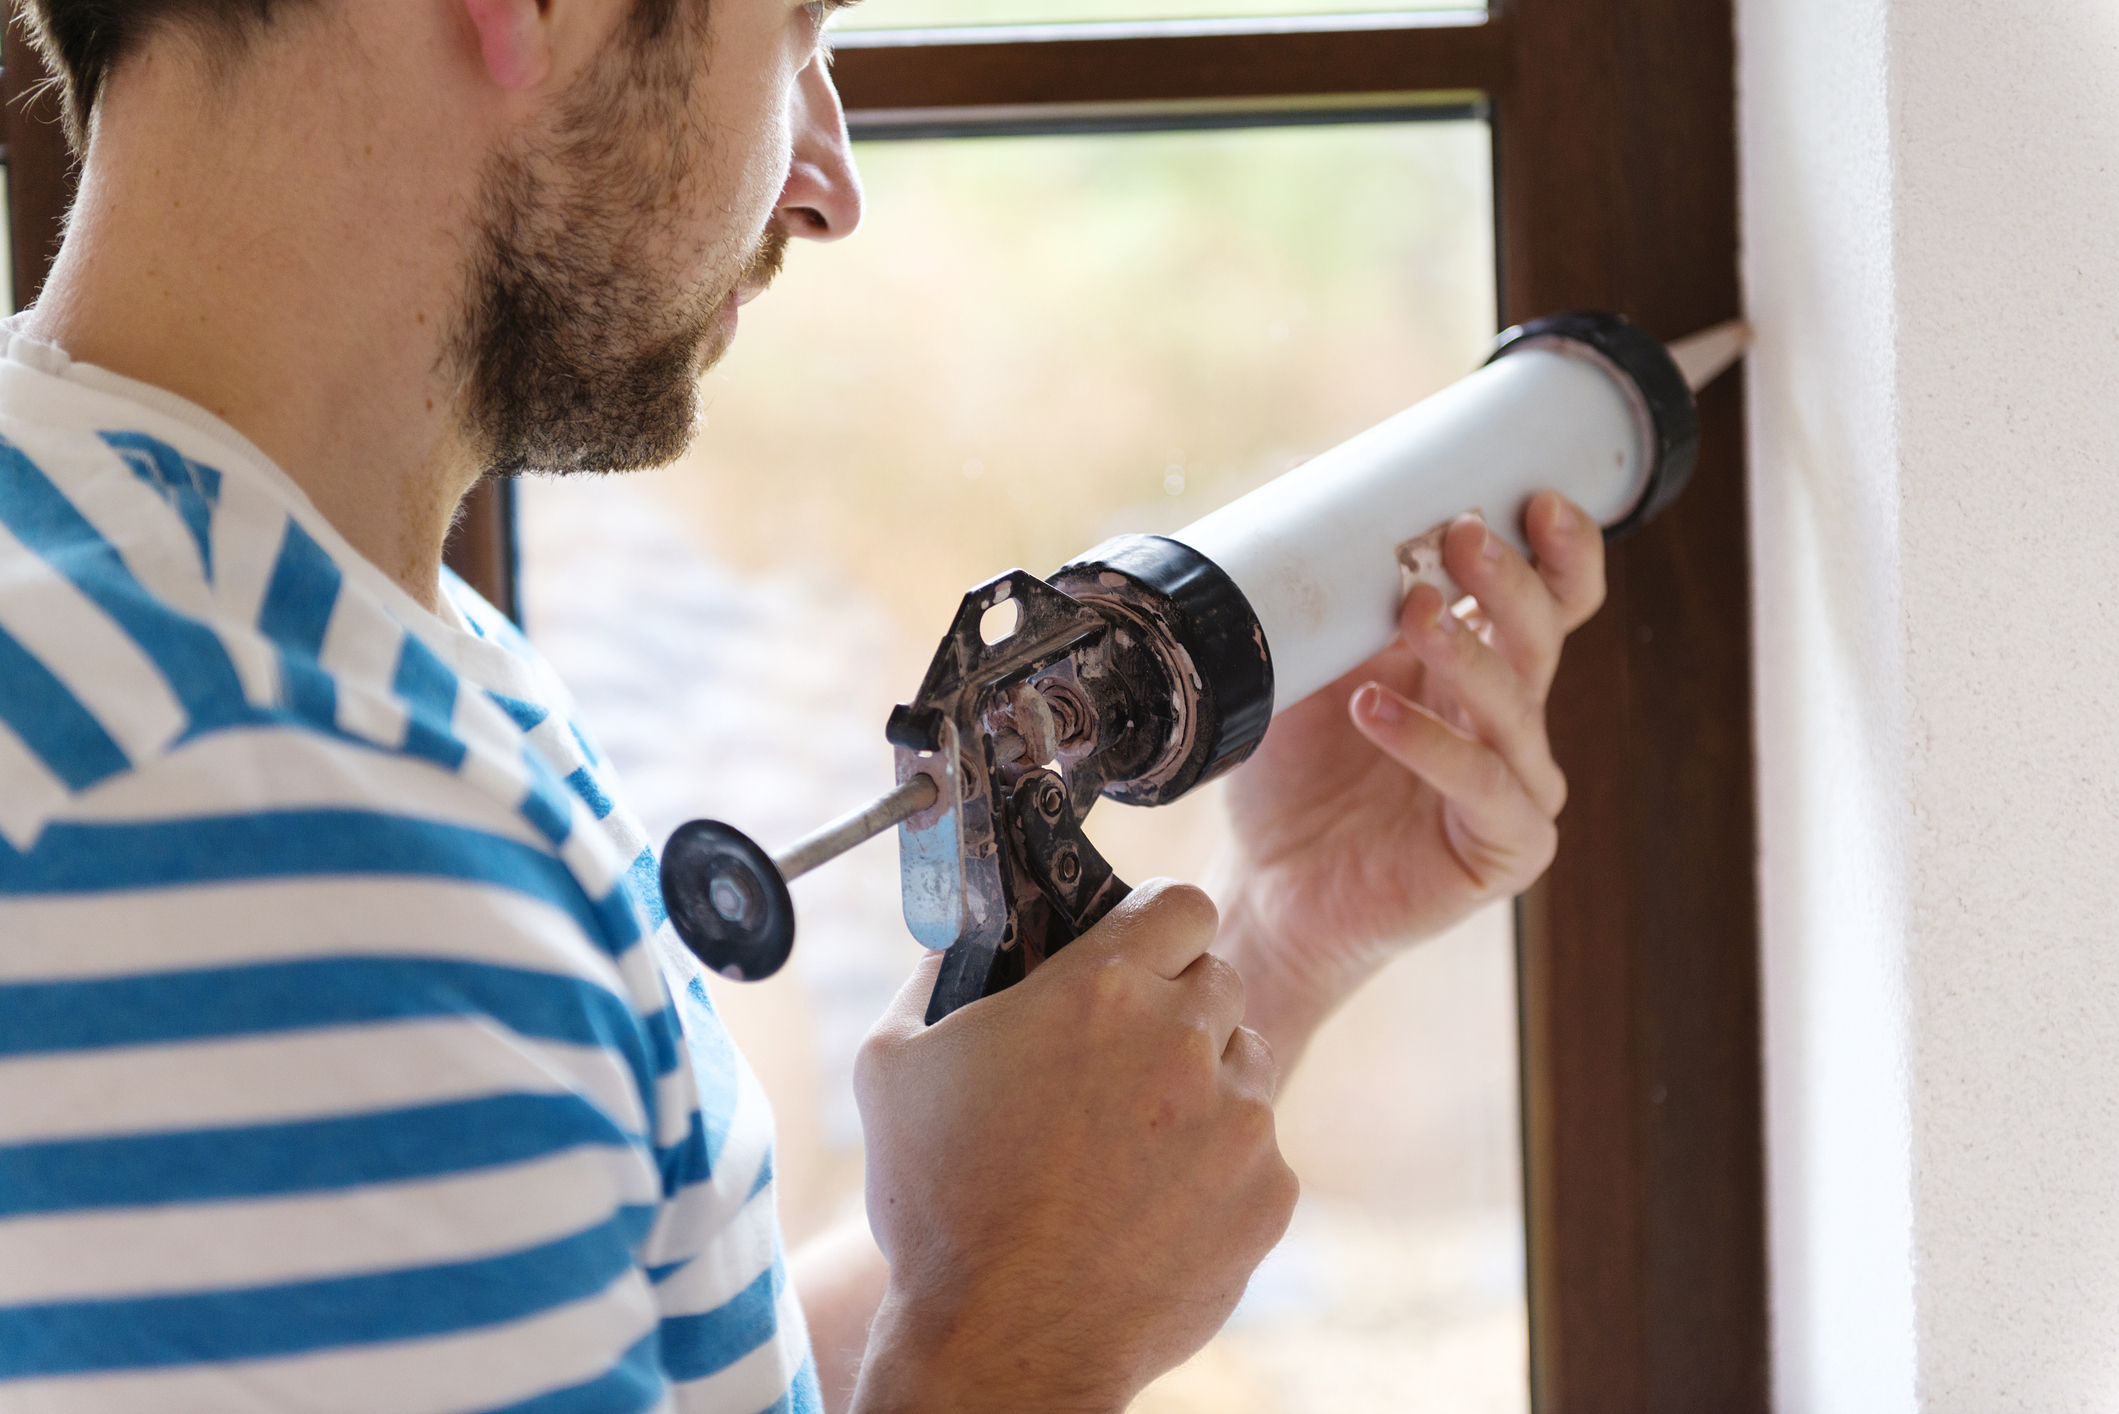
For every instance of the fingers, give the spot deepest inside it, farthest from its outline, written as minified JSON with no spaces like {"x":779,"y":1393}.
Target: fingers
{"x":1162,"y":925}
{"x":1570,"y":550}
{"x":1503,"y":710}
{"x":906,"y":1016}
{"x":1248,"y":1066}
{"x":1510,"y":828}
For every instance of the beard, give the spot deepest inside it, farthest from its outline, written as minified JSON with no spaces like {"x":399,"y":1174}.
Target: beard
{"x":576,"y":348}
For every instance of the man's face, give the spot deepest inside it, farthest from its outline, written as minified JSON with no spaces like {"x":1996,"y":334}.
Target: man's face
{"x":613,"y":247}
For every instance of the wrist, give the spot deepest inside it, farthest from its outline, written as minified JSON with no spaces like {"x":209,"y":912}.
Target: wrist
{"x":960,"y":1361}
{"x":1287,"y":994}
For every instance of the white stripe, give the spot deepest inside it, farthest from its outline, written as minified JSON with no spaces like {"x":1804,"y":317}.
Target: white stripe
{"x":294,"y":768}
{"x":693,"y":1219}
{"x":495,"y":776}
{"x":360,"y":649}
{"x":738,"y":1256}
{"x":758,"y":1379}
{"x":29,"y":794}
{"x":148,"y":534}
{"x":157,"y":545}
{"x":498,"y":1365}
{"x":482,"y":722}
{"x":132,"y":1252}
{"x":256,"y":660}
{"x":644,"y":981}
{"x":676,"y":1101}
{"x":248,"y":532}
{"x":588,"y":851}
{"x":292,"y":1076}
{"x":109,"y":935}
{"x":247,"y":535}
{"x":96,"y":660}
{"x":554,"y":742}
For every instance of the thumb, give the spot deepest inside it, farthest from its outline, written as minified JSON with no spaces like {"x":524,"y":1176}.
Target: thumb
{"x":906,"y":1016}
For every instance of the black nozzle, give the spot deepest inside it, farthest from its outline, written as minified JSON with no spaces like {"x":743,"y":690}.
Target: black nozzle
{"x":726,"y":899}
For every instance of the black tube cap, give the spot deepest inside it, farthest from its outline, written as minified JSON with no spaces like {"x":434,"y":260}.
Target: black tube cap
{"x":726,"y":899}
{"x":1223,"y":646}
{"x":1641,"y":356}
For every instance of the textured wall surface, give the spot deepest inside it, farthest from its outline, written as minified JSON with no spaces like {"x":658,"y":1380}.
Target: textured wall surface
{"x":1829,"y":638}
{"x":1930,"y":216}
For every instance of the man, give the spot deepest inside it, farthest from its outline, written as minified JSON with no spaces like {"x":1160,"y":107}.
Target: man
{"x":343,"y":1060}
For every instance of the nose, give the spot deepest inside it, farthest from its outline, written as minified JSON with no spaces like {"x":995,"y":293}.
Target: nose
{"x":822,"y":198}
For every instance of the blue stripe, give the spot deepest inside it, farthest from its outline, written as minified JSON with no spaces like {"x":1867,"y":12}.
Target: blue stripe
{"x":188,"y":653}
{"x":526,"y":714}
{"x":713,"y":1064}
{"x":634,"y":1383}
{"x":296,"y":613}
{"x":160,"y":1008}
{"x":584,"y":785}
{"x":299,"y":1156}
{"x":644,"y":877}
{"x":685,"y":1163}
{"x":52,"y":722}
{"x":429,"y":688}
{"x":581,"y":739}
{"x":76,"y":1337}
{"x":157,"y":1008}
{"x":191,"y":489}
{"x":545,"y":806}
{"x":279,"y":844}
{"x":694,"y":1347}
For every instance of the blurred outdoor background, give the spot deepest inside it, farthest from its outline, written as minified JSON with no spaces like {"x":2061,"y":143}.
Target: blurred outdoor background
{"x":1032,"y":343}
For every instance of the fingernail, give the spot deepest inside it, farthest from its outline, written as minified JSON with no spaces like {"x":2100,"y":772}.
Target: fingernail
{"x":1379,"y":706}
{"x":1563,"y":515}
{"x":1489,"y":544}
{"x":1445,"y":621}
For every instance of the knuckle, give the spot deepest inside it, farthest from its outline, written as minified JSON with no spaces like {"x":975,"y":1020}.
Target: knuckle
{"x":1491,"y":777}
{"x":1188,"y":904}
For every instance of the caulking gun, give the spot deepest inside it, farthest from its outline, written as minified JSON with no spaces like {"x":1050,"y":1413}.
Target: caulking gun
{"x":1153,"y":664}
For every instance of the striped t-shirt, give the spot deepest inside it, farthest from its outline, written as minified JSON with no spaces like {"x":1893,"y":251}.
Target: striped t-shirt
{"x":346,"y":1059}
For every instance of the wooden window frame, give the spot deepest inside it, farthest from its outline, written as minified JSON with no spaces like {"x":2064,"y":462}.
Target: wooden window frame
{"x":1615,"y":163}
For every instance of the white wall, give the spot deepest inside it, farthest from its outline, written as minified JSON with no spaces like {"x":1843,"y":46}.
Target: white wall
{"x":1932,"y":258}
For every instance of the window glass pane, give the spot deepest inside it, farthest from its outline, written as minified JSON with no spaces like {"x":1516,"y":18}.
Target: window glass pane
{"x":924,"y":14}
{"x":1033,"y":343}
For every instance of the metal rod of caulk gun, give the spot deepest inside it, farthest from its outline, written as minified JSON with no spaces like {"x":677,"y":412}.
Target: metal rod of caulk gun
{"x":855,"y":827}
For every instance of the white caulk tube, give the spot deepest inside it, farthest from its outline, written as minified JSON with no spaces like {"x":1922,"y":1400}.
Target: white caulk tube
{"x":1587,"y":405}
{"x":1314,"y":565}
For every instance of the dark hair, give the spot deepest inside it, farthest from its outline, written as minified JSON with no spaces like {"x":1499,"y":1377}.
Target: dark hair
{"x":81,"y":41}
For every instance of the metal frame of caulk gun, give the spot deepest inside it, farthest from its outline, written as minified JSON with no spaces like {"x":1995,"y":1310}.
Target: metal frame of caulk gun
{"x":1153,"y":664}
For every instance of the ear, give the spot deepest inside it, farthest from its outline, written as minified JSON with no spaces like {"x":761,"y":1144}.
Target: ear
{"x":514,"y":39}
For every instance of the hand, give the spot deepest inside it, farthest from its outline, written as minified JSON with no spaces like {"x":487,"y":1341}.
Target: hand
{"x":1398,"y":800}
{"x":1072,"y":1179}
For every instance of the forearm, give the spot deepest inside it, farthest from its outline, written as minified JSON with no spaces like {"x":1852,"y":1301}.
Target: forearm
{"x":840,"y":1277}
{"x":1287,"y":994}
{"x":1284,"y":1008}
{"x":920,"y":1364}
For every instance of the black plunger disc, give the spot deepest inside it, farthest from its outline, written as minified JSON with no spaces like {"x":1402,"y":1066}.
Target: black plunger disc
{"x":727,"y":900}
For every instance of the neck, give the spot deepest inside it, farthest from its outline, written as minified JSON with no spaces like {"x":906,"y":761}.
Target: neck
{"x":282,"y":252}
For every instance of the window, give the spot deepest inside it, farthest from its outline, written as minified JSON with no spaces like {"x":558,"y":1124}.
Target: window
{"x":1614,"y":186}
{"x":1037,"y":341}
